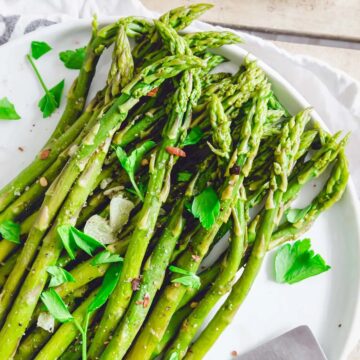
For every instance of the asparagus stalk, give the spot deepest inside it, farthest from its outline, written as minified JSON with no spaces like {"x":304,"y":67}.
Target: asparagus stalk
{"x":24,"y":305}
{"x":284,"y":162}
{"x":199,"y":43}
{"x":220,"y":287}
{"x":178,"y":18}
{"x":156,"y":195}
{"x":328,"y":196}
{"x":67,"y":128}
{"x":152,"y":278}
{"x":151,"y":281}
{"x":146,"y":80}
{"x":61,"y":138}
{"x":242,"y":159}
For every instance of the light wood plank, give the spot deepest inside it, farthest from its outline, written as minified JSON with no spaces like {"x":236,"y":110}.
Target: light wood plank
{"x":324,"y":18}
{"x":347,"y":60}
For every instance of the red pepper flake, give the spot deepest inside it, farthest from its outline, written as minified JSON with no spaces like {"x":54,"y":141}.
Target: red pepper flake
{"x":135,"y":284}
{"x":153,"y":92}
{"x":234,"y":353}
{"x":20,"y":148}
{"x":139,"y":302}
{"x":175,"y":151}
{"x":195,"y":257}
{"x":44,"y":154}
{"x":146,"y":301}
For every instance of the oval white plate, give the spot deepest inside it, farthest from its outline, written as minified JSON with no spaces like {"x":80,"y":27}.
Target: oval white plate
{"x":328,"y":303}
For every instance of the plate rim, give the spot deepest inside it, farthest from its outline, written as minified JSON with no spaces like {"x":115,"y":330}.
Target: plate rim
{"x":354,"y":329}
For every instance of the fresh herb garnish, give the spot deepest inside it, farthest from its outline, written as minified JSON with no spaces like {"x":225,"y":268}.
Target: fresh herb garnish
{"x":206,"y":207}
{"x":51,"y":101}
{"x":56,"y":306}
{"x":111,"y":279}
{"x":10,"y":231}
{"x":297,"y":262}
{"x":58,"y":309}
{"x":106,"y":257}
{"x":184,"y":176}
{"x":131,"y":162}
{"x":190,"y":279}
{"x":52,"y":98}
{"x":39,"y":48}
{"x":73,"y":239}
{"x":59,"y":276}
{"x":194,"y":136}
{"x":7,"y":110}
{"x":73,"y":59}
{"x":108,"y":285}
{"x":294,"y":215}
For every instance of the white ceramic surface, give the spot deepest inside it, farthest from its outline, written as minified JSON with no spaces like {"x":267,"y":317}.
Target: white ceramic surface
{"x":328,"y":303}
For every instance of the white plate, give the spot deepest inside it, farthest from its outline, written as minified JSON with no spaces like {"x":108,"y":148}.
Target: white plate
{"x":328,"y":303}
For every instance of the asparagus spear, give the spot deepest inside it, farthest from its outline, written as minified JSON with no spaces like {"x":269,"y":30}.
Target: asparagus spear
{"x":24,"y":305}
{"x":242,"y":159}
{"x":178,"y":18}
{"x":60,"y":138}
{"x":149,"y":78}
{"x":328,"y":196}
{"x":156,"y":195}
{"x":199,"y":43}
{"x":152,"y":278}
{"x":220,"y":287}
{"x":283,"y":163}
{"x":67,"y":128}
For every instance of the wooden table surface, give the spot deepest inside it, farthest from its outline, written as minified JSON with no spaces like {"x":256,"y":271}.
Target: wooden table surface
{"x":325,"y":29}
{"x":300,"y":25}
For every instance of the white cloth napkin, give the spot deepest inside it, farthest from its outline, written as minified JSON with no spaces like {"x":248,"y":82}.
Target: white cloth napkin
{"x":334,"y":94}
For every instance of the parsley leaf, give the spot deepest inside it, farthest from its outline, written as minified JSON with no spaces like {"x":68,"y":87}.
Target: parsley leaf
{"x":10,"y":231}
{"x":7,"y":110}
{"x":39,"y":48}
{"x":73,"y":239}
{"x":190,"y":279}
{"x":131,"y":163}
{"x":194,"y":136}
{"x":59,"y":276}
{"x":184,"y":176}
{"x":206,"y":207}
{"x":51,"y":100}
{"x":294,"y":215}
{"x":108,"y":285}
{"x":297,"y":262}
{"x":56,"y":306}
{"x":106,"y":257}
{"x":73,"y":59}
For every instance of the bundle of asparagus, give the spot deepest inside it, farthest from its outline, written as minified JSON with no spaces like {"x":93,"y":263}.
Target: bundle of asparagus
{"x":169,"y":158}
